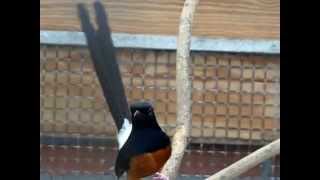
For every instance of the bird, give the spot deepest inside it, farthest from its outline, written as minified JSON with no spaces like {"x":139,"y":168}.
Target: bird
{"x":143,"y":147}
{"x":148,"y":147}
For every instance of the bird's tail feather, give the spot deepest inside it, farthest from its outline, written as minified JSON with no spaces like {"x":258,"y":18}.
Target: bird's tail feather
{"x":104,"y":59}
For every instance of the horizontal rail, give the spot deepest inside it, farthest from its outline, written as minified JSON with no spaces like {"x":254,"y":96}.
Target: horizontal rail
{"x":165,"y":42}
{"x":110,"y":142}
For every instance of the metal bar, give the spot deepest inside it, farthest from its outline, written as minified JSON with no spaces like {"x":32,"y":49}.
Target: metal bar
{"x":74,"y":141}
{"x":124,"y":40}
{"x":109,"y":142}
{"x":266,"y":170}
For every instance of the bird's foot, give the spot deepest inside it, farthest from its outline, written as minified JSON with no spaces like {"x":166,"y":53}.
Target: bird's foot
{"x":159,"y":176}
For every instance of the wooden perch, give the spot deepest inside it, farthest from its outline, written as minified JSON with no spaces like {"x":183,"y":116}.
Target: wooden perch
{"x":183,"y":85}
{"x":248,"y":162}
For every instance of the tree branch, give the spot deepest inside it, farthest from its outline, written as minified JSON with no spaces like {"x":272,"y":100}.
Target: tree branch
{"x":248,"y":162}
{"x":183,"y":85}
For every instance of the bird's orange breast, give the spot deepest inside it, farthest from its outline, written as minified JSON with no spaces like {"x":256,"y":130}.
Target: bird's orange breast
{"x":148,"y":163}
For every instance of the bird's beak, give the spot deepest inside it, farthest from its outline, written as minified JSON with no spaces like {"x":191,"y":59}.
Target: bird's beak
{"x":135,"y":113}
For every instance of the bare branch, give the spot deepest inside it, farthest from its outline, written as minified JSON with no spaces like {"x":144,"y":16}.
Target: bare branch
{"x":248,"y":162}
{"x":183,"y":85}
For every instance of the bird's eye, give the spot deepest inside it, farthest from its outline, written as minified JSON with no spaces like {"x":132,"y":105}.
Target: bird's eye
{"x":150,"y":112}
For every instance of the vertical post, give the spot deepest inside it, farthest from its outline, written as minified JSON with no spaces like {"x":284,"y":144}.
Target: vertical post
{"x":266,"y":169}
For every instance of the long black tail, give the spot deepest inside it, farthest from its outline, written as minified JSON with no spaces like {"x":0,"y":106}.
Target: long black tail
{"x":104,"y":59}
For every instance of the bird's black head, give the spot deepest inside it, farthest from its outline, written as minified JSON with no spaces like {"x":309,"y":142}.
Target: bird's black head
{"x":143,"y":115}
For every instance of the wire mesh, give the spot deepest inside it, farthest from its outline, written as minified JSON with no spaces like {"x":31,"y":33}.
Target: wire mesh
{"x":236,"y":107}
